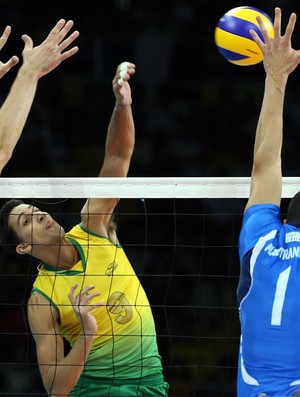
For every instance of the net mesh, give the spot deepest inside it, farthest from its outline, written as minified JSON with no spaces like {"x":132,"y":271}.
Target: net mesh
{"x":183,"y":249}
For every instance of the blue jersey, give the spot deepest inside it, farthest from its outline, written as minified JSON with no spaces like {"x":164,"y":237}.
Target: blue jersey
{"x":269,"y":304}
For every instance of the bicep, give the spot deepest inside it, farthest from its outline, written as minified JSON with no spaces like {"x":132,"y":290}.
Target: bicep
{"x":266,"y":186}
{"x":97,"y":214}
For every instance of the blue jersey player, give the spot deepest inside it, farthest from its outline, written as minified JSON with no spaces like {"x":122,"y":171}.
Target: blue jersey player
{"x":269,"y":249}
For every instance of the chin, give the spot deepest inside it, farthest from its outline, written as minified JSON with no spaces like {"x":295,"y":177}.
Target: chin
{"x":61,"y":231}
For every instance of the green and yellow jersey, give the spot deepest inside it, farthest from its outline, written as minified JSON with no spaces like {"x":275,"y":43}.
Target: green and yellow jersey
{"x":125,"y":346}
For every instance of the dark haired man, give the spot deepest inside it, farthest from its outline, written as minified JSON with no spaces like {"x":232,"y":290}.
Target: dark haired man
{"x":269,"y":286}
{"x":113,"y":341}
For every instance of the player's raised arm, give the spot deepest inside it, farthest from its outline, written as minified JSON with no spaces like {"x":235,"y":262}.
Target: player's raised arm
{"x":280,"y":59}
{"x":37,"y":62}
{"x":120,"y":139}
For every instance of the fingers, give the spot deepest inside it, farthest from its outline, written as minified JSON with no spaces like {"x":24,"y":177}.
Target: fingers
{"x":290,"y":27}
{"x":28,"y":43}
{"x":5,"y":67}
{"x":266,"y":37}
{"x":120,"y":84}
{"x":69,"y":53}
{"x":277,"y":26}
{"x":84,"y":297}
{"x":11,"y":62}
{"x":71,"y":294}
{"x":60,"y":31}
{"x":58,"y":36}
{"x":256,"y":38}
{"x":277,"y":23}
{"x":124,"y":71}
{"x":66,"y":42}
{"x":5,"y":35}
{"x":277,"y":31}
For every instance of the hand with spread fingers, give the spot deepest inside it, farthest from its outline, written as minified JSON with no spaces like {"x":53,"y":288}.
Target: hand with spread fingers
{"x":52,"y":51}
{"x":5,"y":67}
{"x":279,"y":47}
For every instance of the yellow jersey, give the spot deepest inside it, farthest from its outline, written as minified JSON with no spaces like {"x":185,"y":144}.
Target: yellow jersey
{"x":125,"y":346}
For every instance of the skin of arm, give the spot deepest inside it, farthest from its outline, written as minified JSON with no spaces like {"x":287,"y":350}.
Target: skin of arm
{"x":280,"y":59}
{"x":37,"y":62}
{"x":60,"y":373}
{"x":96,"y":213}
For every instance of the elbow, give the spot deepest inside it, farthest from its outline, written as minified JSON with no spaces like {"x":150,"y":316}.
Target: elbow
{"x":267,"y":161}
{"x":59,"y":388}
{"x":62,"y":392}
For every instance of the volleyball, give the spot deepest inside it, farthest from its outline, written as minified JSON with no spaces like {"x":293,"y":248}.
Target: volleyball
{"x":233,"y":38}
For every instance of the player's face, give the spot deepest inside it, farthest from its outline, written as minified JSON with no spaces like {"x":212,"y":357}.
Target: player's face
{"x":34,"y":226}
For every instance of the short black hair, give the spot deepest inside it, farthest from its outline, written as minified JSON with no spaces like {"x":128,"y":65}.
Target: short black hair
{"x":8,"y":237}
{"x":293,"y":213}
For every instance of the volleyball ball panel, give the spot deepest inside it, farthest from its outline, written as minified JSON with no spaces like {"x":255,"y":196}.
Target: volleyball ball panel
{"x":233,"y":38}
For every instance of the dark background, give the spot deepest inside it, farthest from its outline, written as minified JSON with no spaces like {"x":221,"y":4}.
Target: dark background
{"x":195,"y":115}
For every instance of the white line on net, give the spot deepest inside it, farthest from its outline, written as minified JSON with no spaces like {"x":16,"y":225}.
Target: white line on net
{"x":135,"y":187}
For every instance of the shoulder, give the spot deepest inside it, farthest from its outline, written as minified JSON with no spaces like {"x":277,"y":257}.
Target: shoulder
{"x":36,"y":298}
{"x":80,"y":232}
{"x":261,"y":215}
{"x":259,"y":220}
{"x":264,"y":208}
{"x":39,"y":307}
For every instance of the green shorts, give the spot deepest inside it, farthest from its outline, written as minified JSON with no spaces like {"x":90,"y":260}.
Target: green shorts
{"x":92,"y":388}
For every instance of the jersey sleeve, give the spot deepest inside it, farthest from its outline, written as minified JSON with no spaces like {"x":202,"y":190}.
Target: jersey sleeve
{"x":259,"y":219}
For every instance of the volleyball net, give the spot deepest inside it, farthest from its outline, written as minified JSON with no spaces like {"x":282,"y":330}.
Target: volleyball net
{"x":181,"y":236}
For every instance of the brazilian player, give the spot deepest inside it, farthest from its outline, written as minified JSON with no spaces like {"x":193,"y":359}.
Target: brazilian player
{"x":86,"y":291}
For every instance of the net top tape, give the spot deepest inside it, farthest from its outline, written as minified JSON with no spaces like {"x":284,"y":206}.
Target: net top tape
{"x":134,"y":187}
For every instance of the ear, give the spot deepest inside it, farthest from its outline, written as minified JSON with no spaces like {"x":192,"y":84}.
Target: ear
{"x":23,"y":249}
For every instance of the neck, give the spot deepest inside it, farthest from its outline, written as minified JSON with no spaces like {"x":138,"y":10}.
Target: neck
{"x":63,"y":256}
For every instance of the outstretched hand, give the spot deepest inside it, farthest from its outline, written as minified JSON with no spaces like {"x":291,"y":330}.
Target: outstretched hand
{"x":279,"y":48}
{"x":121,"y":85}
{"x":5,"y":67}
{"x":52,"y":51}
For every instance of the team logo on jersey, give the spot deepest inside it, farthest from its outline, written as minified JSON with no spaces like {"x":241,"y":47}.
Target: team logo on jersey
{"x":111,"y":268}
{"x":292,"y":236}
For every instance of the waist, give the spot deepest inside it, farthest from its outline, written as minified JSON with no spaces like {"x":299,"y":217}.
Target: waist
{"x":152,"y":379}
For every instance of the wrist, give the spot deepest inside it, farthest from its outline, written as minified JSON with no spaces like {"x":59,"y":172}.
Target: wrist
{"x":277,"y":79}
{"x":120,"y":103}
{"x":277,"y":83}
{"x":26,"y":73}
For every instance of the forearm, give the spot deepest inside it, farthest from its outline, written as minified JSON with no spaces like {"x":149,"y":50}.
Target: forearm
{"x":268,"y":141}
{"x":61,"y":378}
{"x":14,"y":112}
{"x":120,"y":136}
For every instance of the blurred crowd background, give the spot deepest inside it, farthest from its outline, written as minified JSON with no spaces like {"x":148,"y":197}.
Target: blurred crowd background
{"x":195,"y":115}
